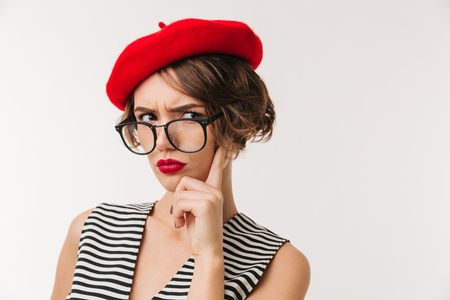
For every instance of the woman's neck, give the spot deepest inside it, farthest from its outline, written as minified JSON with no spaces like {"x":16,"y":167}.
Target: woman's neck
{"x":229,"y":206}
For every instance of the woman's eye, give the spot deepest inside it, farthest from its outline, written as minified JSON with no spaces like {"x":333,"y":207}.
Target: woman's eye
{"x":147,"y":118}
{"x":192,"y":115}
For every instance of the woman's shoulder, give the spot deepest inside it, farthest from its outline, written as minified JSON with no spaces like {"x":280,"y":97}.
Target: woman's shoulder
{"x":77,"y":223}
{"x":68,"y":257}
{"x":106,"y":211}
{"x":286,"y":277}
{"x":76,"y":227}
{"x":287,"y":274}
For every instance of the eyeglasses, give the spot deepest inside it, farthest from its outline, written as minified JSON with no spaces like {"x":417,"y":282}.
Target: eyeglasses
{"x":186,"y":135}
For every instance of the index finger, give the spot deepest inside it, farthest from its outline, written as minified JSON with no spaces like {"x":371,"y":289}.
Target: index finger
{"x":215,"y":173}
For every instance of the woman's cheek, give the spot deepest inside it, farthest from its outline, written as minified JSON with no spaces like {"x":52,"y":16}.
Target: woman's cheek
{"x":205,"y":169}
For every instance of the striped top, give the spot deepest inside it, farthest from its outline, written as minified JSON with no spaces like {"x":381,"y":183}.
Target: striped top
{"x":110,"y":242}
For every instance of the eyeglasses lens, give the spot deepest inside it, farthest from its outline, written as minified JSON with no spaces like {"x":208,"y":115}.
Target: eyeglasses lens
{"x":185,"y":135}
{"x":138,"y":138}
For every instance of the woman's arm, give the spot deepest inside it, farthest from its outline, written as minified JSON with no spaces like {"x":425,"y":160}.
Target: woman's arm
{"x":68,"y":258}
{"x":285,"y":278}
{"x":199,"y":206}
{"x":208,"y":280}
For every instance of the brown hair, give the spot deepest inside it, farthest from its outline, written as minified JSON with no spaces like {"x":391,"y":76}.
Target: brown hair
{"x":224,"y":83}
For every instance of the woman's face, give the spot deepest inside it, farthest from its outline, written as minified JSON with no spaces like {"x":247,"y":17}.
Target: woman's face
{"x":157,"y":103}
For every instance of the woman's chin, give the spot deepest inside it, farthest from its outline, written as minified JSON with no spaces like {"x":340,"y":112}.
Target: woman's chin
{"x":170,"y":185}
{"x":170,"y":182}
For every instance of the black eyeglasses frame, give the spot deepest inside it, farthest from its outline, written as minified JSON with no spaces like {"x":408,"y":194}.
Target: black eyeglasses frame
{"x":202,"y":122}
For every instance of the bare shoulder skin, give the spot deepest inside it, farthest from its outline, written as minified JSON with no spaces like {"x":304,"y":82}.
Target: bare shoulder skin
{"x":287,"y":276}
{"x":68,"y":258}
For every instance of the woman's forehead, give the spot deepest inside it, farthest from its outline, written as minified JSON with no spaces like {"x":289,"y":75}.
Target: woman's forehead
{"x":154,"y":92}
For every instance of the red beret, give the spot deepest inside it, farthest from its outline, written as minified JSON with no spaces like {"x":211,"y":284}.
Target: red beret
{"x":176,"y":41}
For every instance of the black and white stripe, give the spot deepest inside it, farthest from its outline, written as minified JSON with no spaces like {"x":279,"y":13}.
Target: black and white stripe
{"x":108,"y":250}
{"x":248,"y":248}
{"x":110,"y":242}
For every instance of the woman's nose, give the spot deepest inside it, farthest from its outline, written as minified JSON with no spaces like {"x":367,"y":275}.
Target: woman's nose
{"x":162,"y":142}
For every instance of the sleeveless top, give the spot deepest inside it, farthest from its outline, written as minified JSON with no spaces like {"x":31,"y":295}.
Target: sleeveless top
{"x":109,"y":245}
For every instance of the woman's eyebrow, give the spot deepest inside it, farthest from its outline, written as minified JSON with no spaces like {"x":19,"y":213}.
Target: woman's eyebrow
{"x":181,"y":108}
{"x":143,"y":109}
{"x":186,"y":107}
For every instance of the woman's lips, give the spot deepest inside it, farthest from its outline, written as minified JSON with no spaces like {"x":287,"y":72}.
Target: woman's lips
{"x":169,"y":166}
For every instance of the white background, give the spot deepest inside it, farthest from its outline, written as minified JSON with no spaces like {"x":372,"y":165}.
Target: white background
{"x":356,"y":176}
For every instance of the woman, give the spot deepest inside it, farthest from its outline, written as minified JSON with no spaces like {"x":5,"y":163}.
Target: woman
{"x":191,"y":101}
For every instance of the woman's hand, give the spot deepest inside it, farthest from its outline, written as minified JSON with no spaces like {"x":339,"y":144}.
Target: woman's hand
{"x":199,"y":206}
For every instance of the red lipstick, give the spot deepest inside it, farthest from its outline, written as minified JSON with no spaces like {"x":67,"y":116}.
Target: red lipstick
{"x":169,"y":166}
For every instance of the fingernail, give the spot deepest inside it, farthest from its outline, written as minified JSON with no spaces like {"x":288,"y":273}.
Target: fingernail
{"x":171,"y":209}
